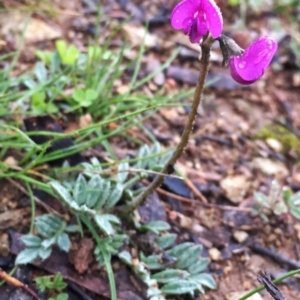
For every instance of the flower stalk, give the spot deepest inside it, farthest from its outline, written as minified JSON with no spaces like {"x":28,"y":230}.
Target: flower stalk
{"x":204,"y":67}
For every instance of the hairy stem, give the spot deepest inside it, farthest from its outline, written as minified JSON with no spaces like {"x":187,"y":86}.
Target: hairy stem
{"x":205,"y":55}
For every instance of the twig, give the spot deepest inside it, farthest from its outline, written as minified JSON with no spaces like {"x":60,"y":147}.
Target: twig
{"x":18,"y":284}
{"x":275,"y":256}
{"x":265,"y":279}
{"x":205,"y":55}
{"x":191,"y":185}
{"x":103,"y":173}
{"x":277,"y":280}
{"x":36,"y":199}
{"x":196,"y":202}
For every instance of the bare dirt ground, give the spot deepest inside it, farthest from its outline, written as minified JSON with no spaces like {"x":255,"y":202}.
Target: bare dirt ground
{"x":233,"y":151}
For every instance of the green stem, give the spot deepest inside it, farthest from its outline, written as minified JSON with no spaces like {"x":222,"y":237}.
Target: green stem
{"x":205,"y":55}
{"x":108,"y":266}
{"x":277,"y":280}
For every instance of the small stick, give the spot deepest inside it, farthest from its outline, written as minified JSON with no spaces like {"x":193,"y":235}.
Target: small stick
{"x":275,"y":256}
{"x":18,"y":284}
{"x":190,"y":184}
{"x":209,"y":205}
{"x":265,"y":279}
{"x":36,"y":199}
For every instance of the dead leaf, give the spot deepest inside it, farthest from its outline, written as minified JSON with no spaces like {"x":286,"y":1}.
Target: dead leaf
{"x":36,"y":30}
{"x":12,"y":218}
{"x":83,"y":256}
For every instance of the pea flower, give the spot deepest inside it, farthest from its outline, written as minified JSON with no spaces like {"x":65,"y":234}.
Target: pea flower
{"x":252,"y":64}
{"x":197,"y":18}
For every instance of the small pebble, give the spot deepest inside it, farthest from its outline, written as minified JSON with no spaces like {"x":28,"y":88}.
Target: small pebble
{"x":247,"y":285}
{"x":274,"y":144}
{"x":278,"y":231}
{"x":240,"y":236}
{"x":214,"y":254}
{"x":271,"y":238}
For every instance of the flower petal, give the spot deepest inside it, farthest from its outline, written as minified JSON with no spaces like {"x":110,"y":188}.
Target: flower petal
{"x":236,"y":76}
{"x":182,"y":11}
{"x":198,"y":29}
{"x":214,"y":19}
{"x":255,"y":60}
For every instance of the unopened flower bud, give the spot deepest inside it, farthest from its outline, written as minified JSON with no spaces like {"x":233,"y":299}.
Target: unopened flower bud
{"x":229,"y":48}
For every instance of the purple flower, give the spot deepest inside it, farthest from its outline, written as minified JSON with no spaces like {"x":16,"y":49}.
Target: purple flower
{"x":196,"y":18}
{"x":251,"y":65}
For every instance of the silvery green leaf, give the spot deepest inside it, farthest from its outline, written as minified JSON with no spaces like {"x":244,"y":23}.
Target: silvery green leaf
{"x":165,"y":157}
{"x":112,"y":218}
{"x":104,"y":194}
{"x":49,"y":242}
{"x":104,"y":223}
{"x":261,"y":199}
{"x":114,"y":196}
{"x":143,"y":152}
{"x":155,"y":149}
{"x":128,"y":194}
{"x":152,"y":262}
{"x":63,"y":242}
{"x":153,"y":291}
{"x":157,"y":226}
{"x":72,"y":228}
{"x":47,"y":225}
{"x":94,"y":187}
{"x":295,"y":211}
{"x":99,"y":256}
{"x":126,"y":257}
{"x":199,"y":266}
{"x":41,"y":72}
{"x":158,"y":297}
{"x":96,"y":163}
{"x":204,"y":279}
{"x":30,"y":83}
{"x":178,"y":287}
{"x":180,"y":249}
{"x":122,"y":176}
{"x":118,"y":240}
{"x":44,"y":253}
{"x":169,"y":275}
{"x":88,"y":169}
{"x":280,"y":208}
{"x":111,"y":249}
{"x":31,"y":240}
{"x":189,"y":257}
{"x":62,"y":192}
{"x":79,"y":193}
{"x":295,"y":199}
{"x":166,"y":240}
{"x":287,"y":194}
{"x":275,"y":192}
{"x":26,"y":256}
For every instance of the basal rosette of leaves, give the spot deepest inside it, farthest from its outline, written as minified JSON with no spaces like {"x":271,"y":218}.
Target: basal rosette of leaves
{"x":90,"y":195}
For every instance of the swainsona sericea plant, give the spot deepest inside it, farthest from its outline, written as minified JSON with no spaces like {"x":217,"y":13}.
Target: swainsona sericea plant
{"x":198,"y":18}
